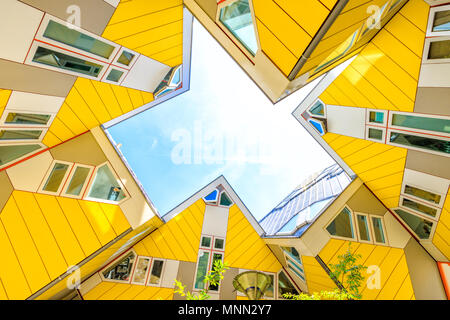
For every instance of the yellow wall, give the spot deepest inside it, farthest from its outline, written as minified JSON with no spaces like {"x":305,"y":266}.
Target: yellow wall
{"x":89,"y":104}
{"x":385,"y":73}
{"x":441,"y":238}
{"x":42,"y":235}
{"x":395,"y":280}
{"x":4,"y":97}
{"x":316,"y":278}
{"x":153,"y":28}
{"x":122,"y":291}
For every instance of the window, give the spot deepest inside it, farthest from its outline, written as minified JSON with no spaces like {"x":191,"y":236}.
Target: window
{"x":423,"y":194}
{"x":212,"y":197}
{"x":155,"y":274}
{"x":141,"y":270}
{"x":27,"y":118}
{"x":441,"y":21}
{"x":57,"y":175}
{"x":418,"y":207}
{"x":14,"y":134}
{"x":376,"y":117}
{"x":296,"y":270}
{"x":126,"y":58}
{"x":421,"y":123}
{"x":342,"y":225}
{"x":375,"y":134}
{"x":206,"y":242}
{"x":219,"y":243}
{"x":211,"y":250}
{"x":10,"y":153}
{"x":63,"y":61}
{"x":216,"y":257}
{"x":225,"y":200}
{"x":120,"y":271}
{"x":105,"y":185}
{"x":318,"y":125}
{"x":77,"y":180}
{"x":76,"y":39}
{"x":318,"y":109}
{"x":439,"y":49}
{"x":293,"y":253}
{"x":202,"y":269}
{"x":237,"y":18}
{"x":378,"y":230}
{"x":285,"y":285}
{"x":363,"y":227}
{"x":420,"y":142}
{"x":420,"y":226}
{"x":114,"y":75}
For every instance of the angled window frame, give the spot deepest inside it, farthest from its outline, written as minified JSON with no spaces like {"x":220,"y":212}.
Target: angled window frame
{"x":150,"y":269}
{"x":116,"y":63}
{"x":419,"y":213}
{"x":312,"y":115}
{"x":69,"y":178}
{"x":212,"y":202}
{"x":372,"y":230}
{"x":431,"y":133}
{"x":40,"y":144}
{"x":288,"y":276}
{"x":7,"y":111}
{"x":433,"y":228}
{"x":63,"y":181}
{"x":146,"y":273}
{"x":352,"y":220}
{"x":383,"y":133}
{"x":419,"y":186}
{"x":369,"y":229}
{"x":426,"y":50}
{"x":109,"y":70}
{"x":385,"y":117}
{"x":21,"y":128}
{"x":433,"y":11}
{"x":117,"y":260}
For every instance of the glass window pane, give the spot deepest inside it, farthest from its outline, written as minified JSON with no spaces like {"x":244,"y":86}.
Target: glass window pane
{"x":122,"y":270}
{"x":363,"y":227}
{"x":76,"y":39}
{"x":378,"y":230}
{"x":77,"y":182}
{"x":225,"y":200}
{"x":125,"y":58}
{"x":56,"y":177}
{"x":206,"y":242}
{"x":237,"y":18}
{"x":11,"y":153}
{"x":296,"y":271}
{"x":216,"y":257}
{"x":439,"y":50}
{"x":342,"y":225}
{"x":376,"y":117}
{"x":105,"y":186}
{"x":212,"y":196}
{"x":441,"y":21}
{"x":285,"y":285}
{"x":422,"y":194}
{"x":20,"y":134}
{"x":317,"y":109}
{"x":155,"y":275}
{"x":27,"y":118}
{"x":293,"y":253}
{"x":140,"y":272}
{"x":218,"y":244}
{"x":269,"y":293}
{"x":426,"y":143}
{"x":421,"y":227}
{"x":419,"y":207}
{"x":422,"y":123}
{"x":176,"y":77}
{"x":63,"y":61}
{"x":114,"y":75}
{"x":375,"y":134}
{"x":202,"y":269}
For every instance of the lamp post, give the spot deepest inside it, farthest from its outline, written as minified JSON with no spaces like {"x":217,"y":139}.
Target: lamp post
{"x":252,"y":283}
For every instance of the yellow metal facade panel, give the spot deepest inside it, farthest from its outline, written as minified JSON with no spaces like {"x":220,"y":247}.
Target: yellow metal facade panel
{"x":244,"y":248}
{"x":122,"y":291}
{"x":395,"y":282}
{"x":151,"y":27}
{"x":316,"y":277}
{"x":4,"y":97}
{"x":442,"y":234}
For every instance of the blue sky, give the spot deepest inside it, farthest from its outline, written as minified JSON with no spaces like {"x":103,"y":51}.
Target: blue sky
{"x":223,"y":125}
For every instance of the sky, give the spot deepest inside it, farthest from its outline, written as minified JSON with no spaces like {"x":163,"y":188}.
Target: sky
{"x":224,"y":125}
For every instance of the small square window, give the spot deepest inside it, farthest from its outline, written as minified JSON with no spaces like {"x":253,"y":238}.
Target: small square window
{"x":56,"y":177}
{"x":114,"y":75}
{"x":206,"y":242}
{"x":376,"y":117}
{"x":125,"y":58}
{"x":375,"y":134}
{"x":378,"y":230}
{"x":218,"y":243}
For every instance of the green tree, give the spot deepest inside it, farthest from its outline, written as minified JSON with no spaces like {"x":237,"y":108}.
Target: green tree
{"x":211,"y":279}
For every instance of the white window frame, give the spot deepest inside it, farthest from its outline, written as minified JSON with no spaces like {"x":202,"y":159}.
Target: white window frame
{"x":385,"y":117}
{"x":220,"y":196}
{"x":214,"y":244}
{"x":122,"y":77}
{"x":63,"y":181}
{"x":369,"y":229}
{"x":290,"y":262}
{"x":212,"y":201}
{"x":210,"y":252}
{"x":26,"y":141}
{"x":85,"y":185}
{"x":116,"y":261}
{"x":372,"y":230}
{"x":426,"y":50}
{"x":352,"y":219}
{"x":433,"y":204}
{"x":150,"y":271}
{"x":6,"y":112}
{"x":119,"y":181}
{"x":315,"y":115}
{"x":433,"y":228}
{"x":418,"y":131}
{"x":383,"y":135}
{"x":146,"y":273}
{"x":42,"y":147}
{"x":67,"y":48}
{"x":424,"y":215}
{"x":115,"y":62}
{"x":206,"y":236}
{"x":430,"y":32}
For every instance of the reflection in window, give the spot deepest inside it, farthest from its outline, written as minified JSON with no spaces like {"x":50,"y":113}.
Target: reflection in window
{"x":293,"y":253}
{"x":114,"y":75}
{"x":441,"y":21}
{"x":363,"y":227}
{"x":378,"y":230}
{"x":125,"y":58}
{"x":285,"y":285}
{"x":342,"y":225}
{"x":420,"y":226}
{"x":225,"y":200}
{"x":426,"y":143}
{"x":122,"y":270}
{"x":206,"y":242}
{"x":27,"y":118}
{"x":155,"y":274}
{"x":237,"y":18}
{"x":10,"y":153}
{"x":318,"y":109}
{"x":422,"y":194}
{"x":296,"y":270}
{"x":216,"y":257}
{"x":439,"y":50}
{"x":105,"y":186}
{"x":419,"y":207}
{"x":421,"y":122}
{"x":376,"y":117}
{"x":56,"y":177}
{"x":20,"y":134}
{"x":140,"y":271}
{"x":375,"y":134}
{"x":202,"y":269}
{"x":63,"y":61}
{"x":219,"y":243}
{"x":76,"y":39}
{"x":77,"y":182}
{"x":212,"y":197}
